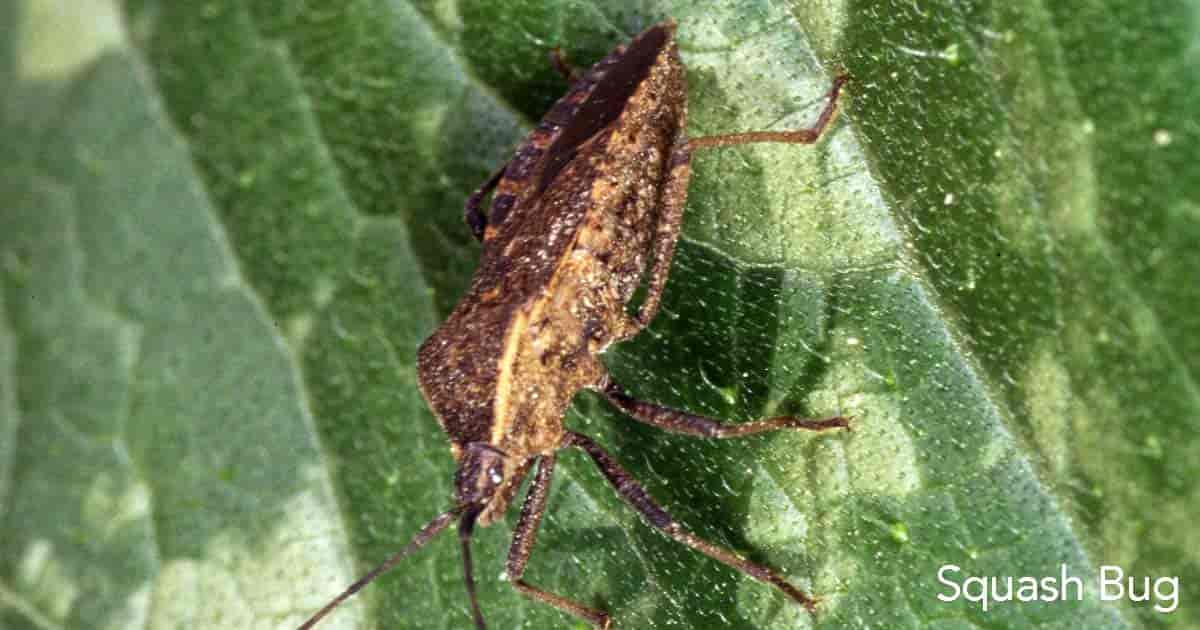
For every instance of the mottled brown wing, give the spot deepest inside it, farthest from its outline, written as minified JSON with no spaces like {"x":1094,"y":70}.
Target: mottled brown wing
{"x":530,"y":233}
{"x":538,"y":205}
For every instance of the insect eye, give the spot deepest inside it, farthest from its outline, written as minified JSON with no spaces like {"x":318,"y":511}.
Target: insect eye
{"x":495,"y":475}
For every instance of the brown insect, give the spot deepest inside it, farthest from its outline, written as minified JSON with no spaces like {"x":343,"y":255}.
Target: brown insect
{"x":594,"y":194}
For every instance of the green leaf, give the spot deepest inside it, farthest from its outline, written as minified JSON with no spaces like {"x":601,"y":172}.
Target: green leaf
{"x":228,"y":225}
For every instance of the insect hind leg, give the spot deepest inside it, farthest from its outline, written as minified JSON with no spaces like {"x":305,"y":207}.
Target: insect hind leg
{"x":473,"y":211}
{"x":666,"y":235}
{"x":569,"y":72}
{"x":675,"y":197}
{"x":798,"y":136}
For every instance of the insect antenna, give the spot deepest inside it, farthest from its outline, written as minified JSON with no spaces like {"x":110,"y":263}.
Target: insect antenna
{"x":431,"y":529}
{"x":465,"y":527}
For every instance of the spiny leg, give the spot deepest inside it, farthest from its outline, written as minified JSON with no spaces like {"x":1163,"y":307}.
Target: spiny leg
{"x":472,"y":213}
{"x":633,"y":494}
{"x":522,"y":545}
{"x":685,"y":423}
{"x":798,"y":136}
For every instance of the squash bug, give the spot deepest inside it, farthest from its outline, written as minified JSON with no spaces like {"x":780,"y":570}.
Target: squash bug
{"x":591,"y":198}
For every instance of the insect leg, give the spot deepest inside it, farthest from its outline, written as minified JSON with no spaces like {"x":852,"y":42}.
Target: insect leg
{"x":472,"y":213}
{"x":685,"y":423}
{"x":569,"y":72}
{"x":522,"y":545}
{"x":798,"y":136}
{"x":633,"y":494}
{"x":666,"y":234}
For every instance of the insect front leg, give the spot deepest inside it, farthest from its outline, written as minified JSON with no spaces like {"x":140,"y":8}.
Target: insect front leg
{"x":632,"y":492}
{"x":682,"y":422}
{"x":472,"y":213}
{"x":522,"y":546}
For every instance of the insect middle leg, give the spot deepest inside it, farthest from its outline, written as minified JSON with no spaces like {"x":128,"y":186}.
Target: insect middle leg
{"x":695,"y":425}
{"x":522,"y":545}
{"x":632,"y":492}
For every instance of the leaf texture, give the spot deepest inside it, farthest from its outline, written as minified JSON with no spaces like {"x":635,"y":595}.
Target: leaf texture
{"x":228,"y":225}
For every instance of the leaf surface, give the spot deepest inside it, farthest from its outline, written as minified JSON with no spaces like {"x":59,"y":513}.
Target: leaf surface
{"x":230,"y":224}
